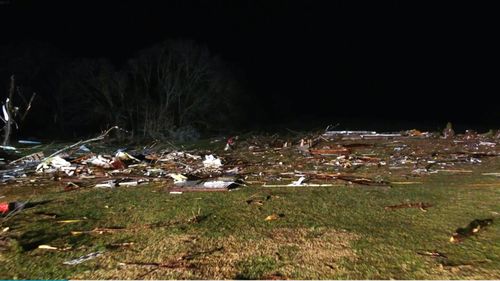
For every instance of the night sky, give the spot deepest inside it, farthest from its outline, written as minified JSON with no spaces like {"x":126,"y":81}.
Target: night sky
{"x":370,"y":63}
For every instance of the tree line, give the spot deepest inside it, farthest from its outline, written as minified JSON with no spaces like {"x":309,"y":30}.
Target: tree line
{"x":175,"y":89}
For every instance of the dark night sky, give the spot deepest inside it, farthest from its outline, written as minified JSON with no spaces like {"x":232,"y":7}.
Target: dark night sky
{"x":304,"y":60}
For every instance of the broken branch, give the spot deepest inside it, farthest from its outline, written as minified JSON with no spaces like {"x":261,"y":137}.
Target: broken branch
{"x":98,"y":138}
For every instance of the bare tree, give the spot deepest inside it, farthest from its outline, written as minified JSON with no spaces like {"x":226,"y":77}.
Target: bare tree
{"x":177,"y":85}
{"x":172,"y":88}
{"x":10,"y":111}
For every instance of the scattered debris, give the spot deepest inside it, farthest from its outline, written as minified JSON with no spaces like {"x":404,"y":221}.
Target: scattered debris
{"x":419,"y":205}
{"x":68,"y":221}
{"x":84,"y":258}
{"x":55,"y":163}
{"x":491,"y":174}
{"x":71,"y":186}
{"x":178,"y":178}
{"x":32,"y":158}
{"x":230,"y":144}
{"x":332,"y":158}
{"x":84,"y":148}
{"x":405,"y":182}
{"x":29,"y":142}
{"x":448,"y":132}
{"x":212,"y":162}
{"x":11,"y":207}
{"x":274,"y":217}
{"x":182,"y":184}
{"x":8,"y":147}
{"x":330,"y":151}
{"x":48,"y":247}
{"x":298,"y":182}
{"x":80,"y":143}
{"x":106,"y":184}
{"x":469,"y":230}
{"x":364,"y":181}
{"x":98,"y":230}
{"x":433,"y":254}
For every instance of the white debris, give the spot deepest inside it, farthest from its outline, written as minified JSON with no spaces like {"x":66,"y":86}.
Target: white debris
{"x":84,"y":258}
{"x":106,"y":184}
{"x":125,"y":156}
{"x":128,"y":183}
{"x":218,"y":184}
{"x":151,"y":172}
{"x":7,"y":147}
{"x":100,"y":161}
{"x":212,"y":162}
{"x":178,"y":178}
{"x":491,"y":174}
{"x":298,"y":182}
{"x":486,"y":143}
{"x":474,"y":160}
{"x":53,"y":164}
{"x":233,"y":171}
{"x":84,"y":148}
{"x":176,"y":155}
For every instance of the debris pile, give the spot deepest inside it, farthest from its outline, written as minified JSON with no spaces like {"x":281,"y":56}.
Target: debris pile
{"x":330,"y":158}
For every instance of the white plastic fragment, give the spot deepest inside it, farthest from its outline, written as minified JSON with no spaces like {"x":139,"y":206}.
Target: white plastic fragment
{"x":53,"y":164}
{"x":176,"y":155}
{"x":491,"y":174}
{"x":152,"y":171}
{"x":178,"y":178}
{"x":106,"y":184}
{"x":487,"y":143}
{"x":218,"y":184}
{"x":84,"y":148}
{"x":100,"y":161}
{"x":128,"y":183}
{"x":28,"y":142}
{"x":298,"y":182}
{"x":232,"y":171}
{"x":7,"y":147}
{"x":125,"y":156}
{"x":212,"y":162}
{"x":84,"y":258}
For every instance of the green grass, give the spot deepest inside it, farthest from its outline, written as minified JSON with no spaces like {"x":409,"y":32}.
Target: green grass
{"x":340,"y":232}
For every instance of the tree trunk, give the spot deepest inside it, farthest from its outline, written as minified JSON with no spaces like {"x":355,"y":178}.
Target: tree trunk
{"x":8,"y":113}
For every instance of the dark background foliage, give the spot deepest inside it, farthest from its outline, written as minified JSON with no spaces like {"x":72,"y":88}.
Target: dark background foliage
{"x":382,"y":65}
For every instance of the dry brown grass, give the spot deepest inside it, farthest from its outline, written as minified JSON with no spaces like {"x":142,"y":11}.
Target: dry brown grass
{"x":297,"y":253}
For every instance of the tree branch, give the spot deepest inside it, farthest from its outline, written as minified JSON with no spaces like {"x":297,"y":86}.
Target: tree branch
{"x":98,"y":138}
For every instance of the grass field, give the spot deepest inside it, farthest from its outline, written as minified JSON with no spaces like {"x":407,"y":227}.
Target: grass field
{"x":336,"y":232}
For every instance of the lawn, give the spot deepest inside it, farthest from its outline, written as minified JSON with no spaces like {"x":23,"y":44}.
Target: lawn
{"x":341,"y":231}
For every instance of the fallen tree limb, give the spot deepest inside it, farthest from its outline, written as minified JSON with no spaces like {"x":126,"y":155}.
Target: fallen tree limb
{"x":348,"y":178}
{"x":98,"y":138}
{"x":419,"y":205}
